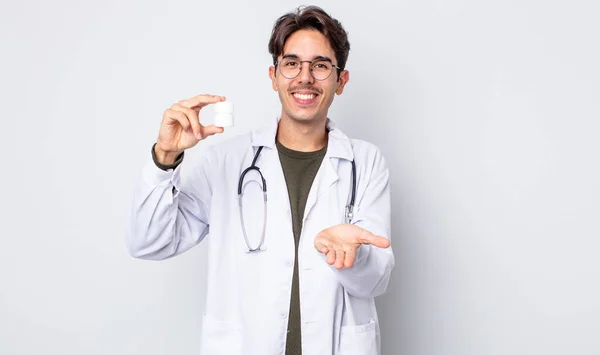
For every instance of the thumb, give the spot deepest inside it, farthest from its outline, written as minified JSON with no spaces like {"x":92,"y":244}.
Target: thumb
{"x":210,"y":130}
{"x":367,"y":237}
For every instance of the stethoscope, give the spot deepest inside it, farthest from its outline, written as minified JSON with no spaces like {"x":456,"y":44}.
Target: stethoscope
{"x":348,"y":213}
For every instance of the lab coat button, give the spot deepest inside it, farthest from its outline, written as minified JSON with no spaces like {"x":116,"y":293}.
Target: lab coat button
{"x":289,"y":263}
{"x":283,"y":315}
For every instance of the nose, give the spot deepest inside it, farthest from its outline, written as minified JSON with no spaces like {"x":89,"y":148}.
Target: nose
{"x":305,"y":76}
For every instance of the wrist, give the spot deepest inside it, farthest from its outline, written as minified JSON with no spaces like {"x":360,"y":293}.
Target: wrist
{"x":165,"y":157}
{"x":164,"y":160}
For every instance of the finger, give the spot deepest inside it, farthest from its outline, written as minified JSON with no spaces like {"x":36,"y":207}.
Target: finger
{"x":200,"y":101}
{"x":340,"y":255}
{"x":331,"y":257}
{"x":350,"y":257}
{"x":367,"y":237}
{"x":321,"y":248}
{"x":210,"y":130}
{"x":172,"y":116}
{"x":192,"y":117}
{"x":197,"y":102}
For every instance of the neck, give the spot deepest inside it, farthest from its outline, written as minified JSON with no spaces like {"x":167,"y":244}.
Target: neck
{"x":302,"y":137}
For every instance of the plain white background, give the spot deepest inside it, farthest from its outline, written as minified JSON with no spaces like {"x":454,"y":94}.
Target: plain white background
{"x":487,"y":112}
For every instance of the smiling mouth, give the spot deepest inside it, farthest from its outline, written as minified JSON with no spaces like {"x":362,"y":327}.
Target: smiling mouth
{"x":304,"y":98}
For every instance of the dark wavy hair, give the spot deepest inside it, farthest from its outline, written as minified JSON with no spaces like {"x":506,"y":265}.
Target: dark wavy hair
{"x":311,"y":18}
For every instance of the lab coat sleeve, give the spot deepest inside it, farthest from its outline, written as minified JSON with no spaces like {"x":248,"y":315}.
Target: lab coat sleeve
{"x":169,"y":214}
{"x":370,"y":274}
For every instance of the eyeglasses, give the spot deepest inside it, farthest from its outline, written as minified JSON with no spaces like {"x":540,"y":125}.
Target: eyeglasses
{"x":320,"y":69}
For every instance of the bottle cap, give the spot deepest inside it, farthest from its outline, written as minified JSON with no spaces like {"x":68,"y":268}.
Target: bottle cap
{"x":224,"y":107}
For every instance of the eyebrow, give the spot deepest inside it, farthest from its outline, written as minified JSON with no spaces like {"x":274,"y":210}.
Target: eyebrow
{"x":317,"y":57}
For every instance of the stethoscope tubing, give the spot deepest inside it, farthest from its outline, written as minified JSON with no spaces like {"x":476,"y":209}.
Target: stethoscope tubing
{"x":348,"y":211}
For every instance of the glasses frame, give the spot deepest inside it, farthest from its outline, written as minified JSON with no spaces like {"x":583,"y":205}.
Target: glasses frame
{"x":309,"y":67}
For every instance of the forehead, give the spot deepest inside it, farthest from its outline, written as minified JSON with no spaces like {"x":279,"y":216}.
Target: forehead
{"x":308,"y":44}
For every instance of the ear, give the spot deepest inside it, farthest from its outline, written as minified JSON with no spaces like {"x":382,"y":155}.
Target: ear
{"x":273,"y":78}
{"x":342,"y":81}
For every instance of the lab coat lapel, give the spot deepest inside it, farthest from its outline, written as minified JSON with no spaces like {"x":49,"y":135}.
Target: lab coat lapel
{"x":277,"y":193}
{"x":325,"y":178}
{"x":338,"y":147}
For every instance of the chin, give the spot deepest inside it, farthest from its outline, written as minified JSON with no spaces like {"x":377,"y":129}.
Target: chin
{"x":304,"y":118}
{"x":303,"y":115}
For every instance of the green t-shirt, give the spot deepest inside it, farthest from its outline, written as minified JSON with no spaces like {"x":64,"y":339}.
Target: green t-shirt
{"x":299,"y":169}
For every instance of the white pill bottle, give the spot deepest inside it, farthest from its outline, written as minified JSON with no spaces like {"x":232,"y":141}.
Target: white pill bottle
{"x":224,"y":114}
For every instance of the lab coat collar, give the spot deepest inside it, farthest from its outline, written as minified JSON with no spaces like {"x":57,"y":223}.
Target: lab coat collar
{"x":338,"y":146}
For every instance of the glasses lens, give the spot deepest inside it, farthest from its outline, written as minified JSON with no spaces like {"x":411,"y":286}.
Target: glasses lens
{"x":289,"y":67}
{"x":321,"y":69}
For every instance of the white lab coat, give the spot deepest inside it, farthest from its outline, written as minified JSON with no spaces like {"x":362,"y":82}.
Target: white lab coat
{"x":248,"y":294}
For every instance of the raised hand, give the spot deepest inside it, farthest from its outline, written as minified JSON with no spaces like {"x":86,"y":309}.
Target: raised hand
{"x":340,"y":243}
{"x":181,"y":129}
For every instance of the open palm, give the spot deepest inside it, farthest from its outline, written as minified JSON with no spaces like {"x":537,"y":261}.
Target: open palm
{"x":340,"y":243}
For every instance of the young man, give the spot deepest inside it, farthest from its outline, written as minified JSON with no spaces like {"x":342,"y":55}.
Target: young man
{"x":296,"y":272}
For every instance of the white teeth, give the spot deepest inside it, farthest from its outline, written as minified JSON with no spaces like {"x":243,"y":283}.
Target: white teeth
{"x":305,"y":96}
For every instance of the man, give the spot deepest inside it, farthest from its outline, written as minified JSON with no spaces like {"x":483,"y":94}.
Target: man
{"x":307,"y":283}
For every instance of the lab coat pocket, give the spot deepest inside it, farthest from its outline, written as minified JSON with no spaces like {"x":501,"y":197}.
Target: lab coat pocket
{"x":220,"y":337}
{"x":358,"y":339}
